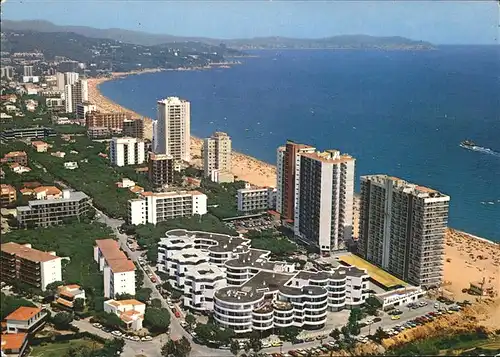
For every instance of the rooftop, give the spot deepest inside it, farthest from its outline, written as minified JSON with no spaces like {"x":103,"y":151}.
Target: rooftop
{"x":172,"y":100}
{"x":171,"y":194}
{"x":13,"y":341}
{"x":25,"y":252}
{"x":23,"y":313}
{"x":329,"y":156}
{"x":74,"y":196}
{"x":115,"y":258}
{"x":127,"y":302}
{"x":377,"y":274}
{"x":404,"y":186}
{"x":14,"y":154}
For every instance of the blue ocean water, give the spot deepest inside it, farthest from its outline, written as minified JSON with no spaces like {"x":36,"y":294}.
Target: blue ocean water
{"x":400,"y":113}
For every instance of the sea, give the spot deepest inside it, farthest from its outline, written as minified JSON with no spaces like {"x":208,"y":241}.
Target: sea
{"x":402,"y":113}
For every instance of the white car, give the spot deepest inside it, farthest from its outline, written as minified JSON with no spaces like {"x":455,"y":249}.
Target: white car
{"x":116,"y":333}
{"x":97,"y":325}
{"x":147,"y":338}
{"x":266,"y":345}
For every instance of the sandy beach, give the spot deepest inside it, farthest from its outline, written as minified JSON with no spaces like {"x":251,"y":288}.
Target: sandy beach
{"x":245,"y":168}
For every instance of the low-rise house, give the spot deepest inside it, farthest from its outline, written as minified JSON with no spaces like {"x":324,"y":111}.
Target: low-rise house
{"x":12,"y":98}
{"x":8,"y":195}
{"x":31,"y":105}
{"x":60,"y":154}
{"x":25,"y":319}
{"x":67,"y":294}
{"x":47,"y":193}
{"x":14,"y":344}
{"x":131,"y":312}
{"x":5,"y":116}
{"x":18,"y":168}
{"x":136,"y":189}
{"x":40,"y":146}
{"x":15,"y":156}
{"x":10,"y":108}
{"x":125,"y":183}
{"x":70,"y":165}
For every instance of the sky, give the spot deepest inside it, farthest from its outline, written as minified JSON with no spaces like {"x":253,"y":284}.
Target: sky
{"x":436,"y":21}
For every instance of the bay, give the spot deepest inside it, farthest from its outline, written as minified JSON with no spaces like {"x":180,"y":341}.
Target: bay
{"x":402,"y":113}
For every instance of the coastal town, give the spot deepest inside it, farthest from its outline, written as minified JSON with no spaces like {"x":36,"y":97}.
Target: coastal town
{"x":126,"y":235}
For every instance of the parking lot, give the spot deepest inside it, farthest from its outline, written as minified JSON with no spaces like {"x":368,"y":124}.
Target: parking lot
{"x":258,"y":224}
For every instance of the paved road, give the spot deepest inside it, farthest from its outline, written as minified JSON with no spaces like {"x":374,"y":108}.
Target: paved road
{"x":177,"y":331}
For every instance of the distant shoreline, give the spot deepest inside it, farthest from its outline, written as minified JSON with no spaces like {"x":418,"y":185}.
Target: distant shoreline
{"x":248,"y":163}
{"x":245,"y":167}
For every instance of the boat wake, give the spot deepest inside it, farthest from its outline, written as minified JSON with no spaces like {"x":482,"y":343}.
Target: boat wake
{"x":480,"y":149}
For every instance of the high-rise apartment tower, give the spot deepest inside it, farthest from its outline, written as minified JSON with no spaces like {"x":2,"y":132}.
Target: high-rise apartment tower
{"x":402,"y":228}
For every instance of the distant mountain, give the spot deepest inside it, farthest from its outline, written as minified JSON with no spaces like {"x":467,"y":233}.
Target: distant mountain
{"x":106,"y":54}
{"x":149,"y":39}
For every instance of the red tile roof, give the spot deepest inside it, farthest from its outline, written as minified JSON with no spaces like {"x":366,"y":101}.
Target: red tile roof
{"x":30,"y":254}
{"x":116,"y":259}
{"x":13,"y":341}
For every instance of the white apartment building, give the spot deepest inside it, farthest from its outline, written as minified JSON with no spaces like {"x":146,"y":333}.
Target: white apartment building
{"x":28,"y":71}
{"x":172,"y":130}
{"x":323,"y":212}
{"x":402,"y":228}
{"x":22,"y":263}
{"x":130,"y":311}
{"x":83,"y":108}
{"x":246,"y":290}
{"x":118,"y":270}
{"x":75,"y":94}
{"x":217,"y":154}
{"x":256,"y":199}
{"x":127,"y":151}
{"x":158,"y":207}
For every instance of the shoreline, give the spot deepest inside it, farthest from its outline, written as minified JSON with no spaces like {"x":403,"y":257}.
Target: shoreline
{"x":245,"y":167}
{"x":467,"y":258}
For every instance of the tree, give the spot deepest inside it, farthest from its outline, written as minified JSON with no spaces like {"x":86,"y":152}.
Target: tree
{"x":10,"y":303}
{"x":234,"y":347}
{"x":157,"y":320}
{"x":79,"y":304}
{"x":190,"y":320}
{"x":255,"y":343}
{"x":247,"y":347}
{"x":109,"y":320}
{"x":335,"y":334}
{"x":176,"y":295}
{"x":352,"y":324}
{"x":290,"y":333}
{"x":379,"y":335}
{"x":177,"y":348}
{"x":143,"y":294}
{"x":62,"y":320}
{"x":51,"y":289}
{"x":156,"y":303}
{"x":124,"y":296}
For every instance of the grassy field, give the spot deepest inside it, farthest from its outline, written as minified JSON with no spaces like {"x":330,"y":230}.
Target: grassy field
{"x":59,"y":349}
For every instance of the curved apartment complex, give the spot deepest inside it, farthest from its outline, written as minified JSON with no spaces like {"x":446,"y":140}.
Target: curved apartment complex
{"x":246,"y":291}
